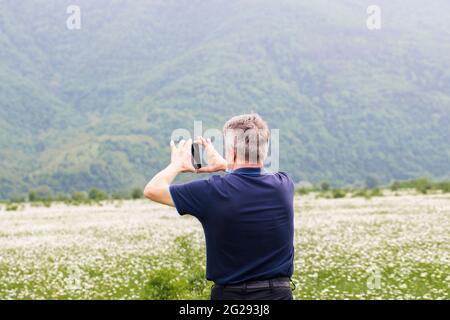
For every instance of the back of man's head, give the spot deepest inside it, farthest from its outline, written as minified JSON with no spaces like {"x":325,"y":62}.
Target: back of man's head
{"x":246,"y":139}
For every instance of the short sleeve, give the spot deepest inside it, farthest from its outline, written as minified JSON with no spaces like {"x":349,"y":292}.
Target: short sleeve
{"x":287,"y":181}
{"x":190,"y":198}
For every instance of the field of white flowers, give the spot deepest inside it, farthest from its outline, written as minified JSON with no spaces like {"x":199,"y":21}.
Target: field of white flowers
{"x":391,"y":247}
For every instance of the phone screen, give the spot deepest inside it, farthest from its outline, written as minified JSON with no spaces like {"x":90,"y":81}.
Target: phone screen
{"x":196,"y":155}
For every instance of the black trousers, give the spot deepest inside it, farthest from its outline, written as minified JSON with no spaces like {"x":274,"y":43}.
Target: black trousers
{"x":224,"y":293}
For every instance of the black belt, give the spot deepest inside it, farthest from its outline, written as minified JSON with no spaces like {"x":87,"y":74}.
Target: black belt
{"x":260,"y":284}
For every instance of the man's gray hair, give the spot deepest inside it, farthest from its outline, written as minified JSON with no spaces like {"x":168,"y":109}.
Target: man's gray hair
{"x":249,"y":135}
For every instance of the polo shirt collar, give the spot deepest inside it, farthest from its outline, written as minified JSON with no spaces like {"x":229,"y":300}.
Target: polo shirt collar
{"x":249,"y":171}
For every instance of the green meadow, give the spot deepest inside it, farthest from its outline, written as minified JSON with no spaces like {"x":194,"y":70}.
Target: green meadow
{"x":390,"y":247}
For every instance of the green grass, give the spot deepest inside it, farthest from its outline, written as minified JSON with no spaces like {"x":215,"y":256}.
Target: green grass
{"x":12,"y":207}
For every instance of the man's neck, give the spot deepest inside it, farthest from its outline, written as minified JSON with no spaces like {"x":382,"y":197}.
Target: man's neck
{"x":247,"y":165}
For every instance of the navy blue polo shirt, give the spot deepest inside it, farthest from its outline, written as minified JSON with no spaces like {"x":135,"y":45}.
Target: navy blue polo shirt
{"x":248,"y":219}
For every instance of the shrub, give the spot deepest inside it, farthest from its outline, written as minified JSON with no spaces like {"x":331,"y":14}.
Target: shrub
{"x":338,"y":193}
{"x":121,"y":195}
{"x":137,"y":193}
{"x":79,"y":196}
{"x":422,"y":185}
{"x":32,"y":196}
{"x":324,"y":186}
{"x":324,"y":194}
{"x":97,"y":195}
{"x":42,"y":193}
{"x":444,"y":186}
{"x":12,"y":207}
{"x":61,"y":197}
{"x":376,"y":193}
{"x":303,"y":191}
{"x":360,"y":193}
{"x":164,"y":284}
{"x":17,"y":199}
{"x":368,"y":194}
{"x":396,"y":186}
{"x":183,"y":274}
{"x":47,"y":204}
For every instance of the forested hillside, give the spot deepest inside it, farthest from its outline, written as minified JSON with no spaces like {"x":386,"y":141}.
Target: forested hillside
{"x":95,"y":107}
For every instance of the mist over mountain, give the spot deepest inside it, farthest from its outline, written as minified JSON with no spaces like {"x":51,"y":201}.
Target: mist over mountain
{"x":95,"y":107}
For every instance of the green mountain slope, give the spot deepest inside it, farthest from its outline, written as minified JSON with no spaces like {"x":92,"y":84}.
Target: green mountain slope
{"x":95,"y":107}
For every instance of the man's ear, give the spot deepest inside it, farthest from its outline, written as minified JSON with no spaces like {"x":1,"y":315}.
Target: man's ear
{"x":234,"y":153}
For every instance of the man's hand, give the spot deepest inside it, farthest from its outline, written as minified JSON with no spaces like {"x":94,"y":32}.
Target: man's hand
{"x":181,"y":156}
{"x":215,"y":160}
{"x":158,"y":188}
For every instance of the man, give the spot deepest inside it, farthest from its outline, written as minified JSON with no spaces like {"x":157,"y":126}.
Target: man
{"x":247,"y":215}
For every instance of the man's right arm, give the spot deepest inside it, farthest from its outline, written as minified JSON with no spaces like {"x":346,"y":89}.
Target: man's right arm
{"x":188,"y":197}
{"x":158,"y":187}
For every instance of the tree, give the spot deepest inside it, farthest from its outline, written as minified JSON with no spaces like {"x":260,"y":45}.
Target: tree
{"x":324,"y":186}
{"x":136,"y":193}
{"x":97,"y":195}
{"x":42,"y":193}
{"x":79,"y":196}
{"x":32,"y":196}
{"x":121,"y":195}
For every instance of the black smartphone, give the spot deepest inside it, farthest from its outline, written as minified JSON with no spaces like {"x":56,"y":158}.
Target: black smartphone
{"x":197,"y":151}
